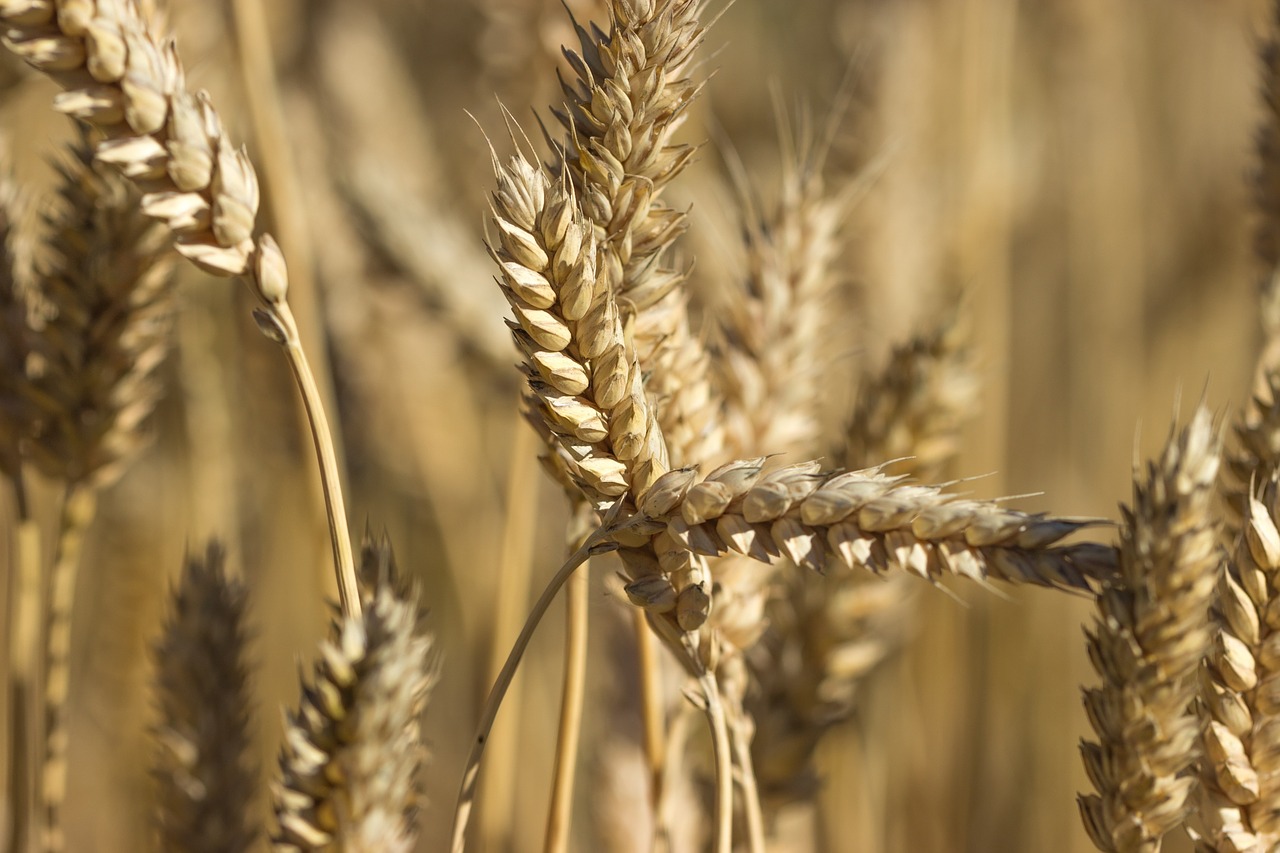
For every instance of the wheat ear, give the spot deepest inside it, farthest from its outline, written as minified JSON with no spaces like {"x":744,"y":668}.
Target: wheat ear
{"x":1147,"y":645}
{"x":353,"y":749}
{"x":120,"y":78}
{"x":858,"y":518}
{"x":583,"y":377}
{"x":23,"y":601}
{"x":106,"y":280}
{"x":628,"y":94}
{"x":202,"y":683}
{"x":1241,"y":764}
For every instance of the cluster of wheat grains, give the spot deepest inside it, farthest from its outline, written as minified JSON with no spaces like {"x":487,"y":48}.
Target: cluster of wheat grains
{"x":765,"y":593}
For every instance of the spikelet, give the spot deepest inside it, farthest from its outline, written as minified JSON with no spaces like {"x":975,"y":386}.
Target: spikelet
{"x":1151,"y":635}
{"x":107,"y":283}
{"x":206,"y":783}
{"x":353,"y":750}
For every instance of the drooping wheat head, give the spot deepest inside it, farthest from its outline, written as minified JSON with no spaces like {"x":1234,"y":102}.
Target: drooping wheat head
{"x":1147,"y":645}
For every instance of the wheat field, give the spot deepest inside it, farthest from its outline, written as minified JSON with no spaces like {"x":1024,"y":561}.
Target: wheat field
{"x":1020,"y":252}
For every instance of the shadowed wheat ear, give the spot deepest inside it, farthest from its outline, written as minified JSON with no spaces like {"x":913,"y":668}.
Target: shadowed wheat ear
{"x":1240,"y":773}
{"x":1151,"y":635}
{"x":628,"y":94}
{"x":15,"y":403}
{"x":105,"y":283}
{"x":1267,"y":193}
{"x":120,"y":78}
{"x":206,"y":783}
{"x":353,"y":749}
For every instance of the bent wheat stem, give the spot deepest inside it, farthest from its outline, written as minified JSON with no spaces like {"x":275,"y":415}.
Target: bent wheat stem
{"x":571,"y":699}
{"x":722,"y":817}
{"x":595,"y":544}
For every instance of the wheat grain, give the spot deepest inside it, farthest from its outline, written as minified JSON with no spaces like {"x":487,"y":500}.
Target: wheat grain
{"x":202,"y":680}
{"x":1151,"y":634}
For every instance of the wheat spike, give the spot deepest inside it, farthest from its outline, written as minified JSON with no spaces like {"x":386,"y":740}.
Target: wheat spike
{"x":774,"y":330}
{"x":107,"y":284}
{"x":202,"y":680}
{"x":584,"y":380}
{"x":859,"y":518}
{"x":828,"y":632}
{"x":353,"y":749}
{"x":628,"y":94}
{"x":1151,"y":635}
{"x":1241,"y":762}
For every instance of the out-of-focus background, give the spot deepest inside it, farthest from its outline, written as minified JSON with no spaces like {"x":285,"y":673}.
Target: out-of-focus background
{"x":1079,"y":167}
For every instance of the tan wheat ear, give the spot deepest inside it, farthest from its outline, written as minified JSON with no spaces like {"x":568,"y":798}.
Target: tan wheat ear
{"x":353,"y":749}
{"x":207,"y":799}
{"x":119,"y":77}
{"x":1151,"y":635}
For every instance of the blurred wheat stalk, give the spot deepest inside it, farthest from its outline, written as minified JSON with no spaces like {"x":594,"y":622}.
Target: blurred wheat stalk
{"x":774,"y":587}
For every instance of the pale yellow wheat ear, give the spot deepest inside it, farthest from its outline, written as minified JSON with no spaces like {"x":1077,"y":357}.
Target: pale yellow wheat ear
{"x":104,"y":285}
{"x":353,"y":750}
{"x":207,"y":785}
{"x":630,"y":90}
{"x":828,"y":632}
{"x":123,"y":80}
{"x":1150,"y":637}
{"x":1241,"y":763}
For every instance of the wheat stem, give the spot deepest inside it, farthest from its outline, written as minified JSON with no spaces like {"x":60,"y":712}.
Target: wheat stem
{"x":722,"y":816}
{"x":571,"y":699}
{"x":651,"y":707}
{"x":595,"y":544}
{"x":343,"y":559}
{"x":740,"y":730}
{"x":78,"y":510}
{"x":512,"y":590}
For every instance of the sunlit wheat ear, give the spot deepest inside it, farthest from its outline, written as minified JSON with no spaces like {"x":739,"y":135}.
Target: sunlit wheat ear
{"x":207,"y":800}
{"x":105,"y":282}
{"x":353,"y":749}
{"x":859,"y":518}
{"x":121,"y":79}
{"x":1147,"y":645}
{"x":1240,"y":688}
{"x":629,"y":91}
{"x":585,"y":389}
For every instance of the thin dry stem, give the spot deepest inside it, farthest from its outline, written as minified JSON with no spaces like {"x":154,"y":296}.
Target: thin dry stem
{"x":572,"y":695}
{"x":595,"y":544}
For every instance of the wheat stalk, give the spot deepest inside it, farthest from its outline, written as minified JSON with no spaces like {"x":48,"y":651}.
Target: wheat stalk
{"x":1151,"y":635}
{"x":202,"y":681}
